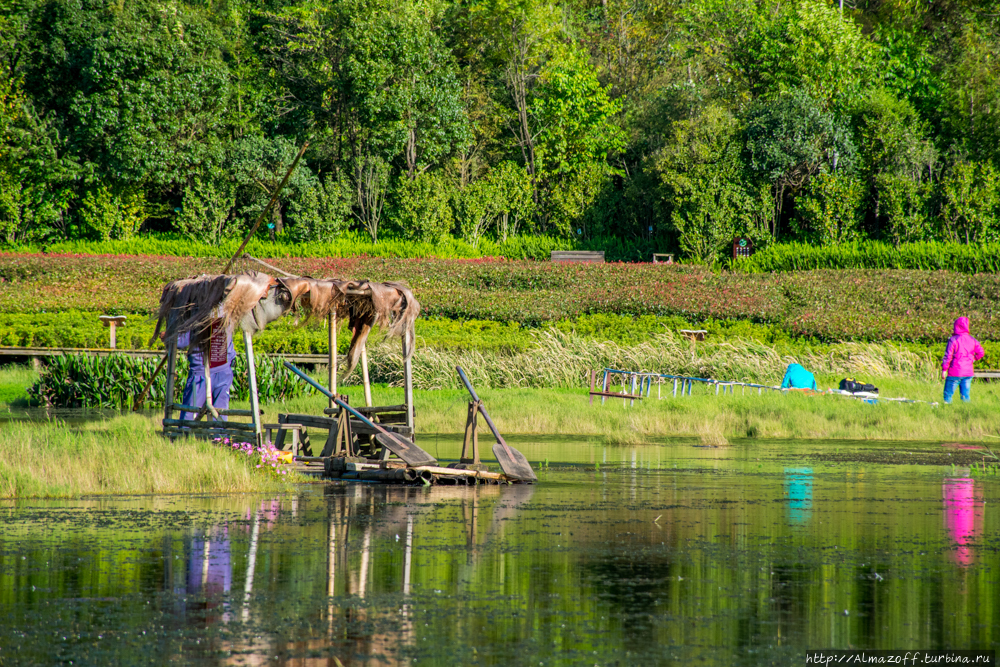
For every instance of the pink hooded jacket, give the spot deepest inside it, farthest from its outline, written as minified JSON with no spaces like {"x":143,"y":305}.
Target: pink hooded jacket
{"x":962,"y":351}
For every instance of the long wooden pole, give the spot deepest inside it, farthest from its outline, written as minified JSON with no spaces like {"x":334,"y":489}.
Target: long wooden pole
{"x":267,"y":209}
{"x":145,"y":390}
{"x":408,"y":384}
{"x":364,"y":376}
{"x":333,"y":353}
{"x":252,"y":377}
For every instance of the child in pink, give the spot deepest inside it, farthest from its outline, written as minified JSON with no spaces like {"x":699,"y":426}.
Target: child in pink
{"x":963,"y":350}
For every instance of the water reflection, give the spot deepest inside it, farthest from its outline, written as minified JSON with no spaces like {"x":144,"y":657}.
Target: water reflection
{"x":798,"y":489}
{"x":714,"y":561}
{"x":963,"y":517}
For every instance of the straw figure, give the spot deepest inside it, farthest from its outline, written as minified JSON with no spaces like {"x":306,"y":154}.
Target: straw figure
{"x":391,"y":306}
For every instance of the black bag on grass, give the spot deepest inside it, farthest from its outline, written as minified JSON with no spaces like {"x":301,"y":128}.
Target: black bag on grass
{"x":853,"y":386}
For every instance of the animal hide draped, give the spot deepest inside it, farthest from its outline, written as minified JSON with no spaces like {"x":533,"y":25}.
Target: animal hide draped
{"x":391,"y":306}
{"x":325,"y":297}
{"x":281,"y":298}
{"x":191,"y":304}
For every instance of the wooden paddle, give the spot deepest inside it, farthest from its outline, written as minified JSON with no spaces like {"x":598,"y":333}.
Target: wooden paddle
{"x":411,"y":454}
{"x":511,"y":461}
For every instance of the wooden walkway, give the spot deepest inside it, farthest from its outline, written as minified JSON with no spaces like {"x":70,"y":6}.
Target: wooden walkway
{"x":43,"y":352}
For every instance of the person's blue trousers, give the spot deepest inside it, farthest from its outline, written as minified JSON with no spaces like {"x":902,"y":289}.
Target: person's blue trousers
{"x":194,"y":390}
{"x":964,"y":385}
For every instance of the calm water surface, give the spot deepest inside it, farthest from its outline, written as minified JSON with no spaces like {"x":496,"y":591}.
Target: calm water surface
{"x":672,"y":554}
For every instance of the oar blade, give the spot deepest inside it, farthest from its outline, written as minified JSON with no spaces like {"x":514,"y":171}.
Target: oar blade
{"x":513,"y":463}
{"x":412,"y":455}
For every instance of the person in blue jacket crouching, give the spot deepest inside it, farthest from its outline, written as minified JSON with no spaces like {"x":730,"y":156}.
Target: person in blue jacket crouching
{"x":796,"y":377}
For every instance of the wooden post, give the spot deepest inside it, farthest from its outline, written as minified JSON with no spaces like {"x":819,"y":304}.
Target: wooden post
{"x":252,"y":381}
{"x":593,"y":379}
{"x":168,"y":397}
{"x":408,"y":387}
{"x":471,"y":441}
{"x":364,"y":375}
{"x":333,"y":354}
{"x":209,"y":403}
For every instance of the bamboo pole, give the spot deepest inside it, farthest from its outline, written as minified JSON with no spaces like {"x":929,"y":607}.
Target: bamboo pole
{"x":267,"y":209}
{"x":168,"y":396}
{"x":254,"y":398}
{"x":209,"y":403}
{"x":408,"y":385}
{"x":332,"y":339}
{"x":364,"y":376}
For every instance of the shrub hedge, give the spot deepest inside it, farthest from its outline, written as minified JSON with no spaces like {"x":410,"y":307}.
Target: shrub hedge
{"x":352,"y":244}
{"x":924,"y":256}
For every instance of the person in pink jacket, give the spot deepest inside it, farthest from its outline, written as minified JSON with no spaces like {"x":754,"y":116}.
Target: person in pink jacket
{"x":963,"y":350}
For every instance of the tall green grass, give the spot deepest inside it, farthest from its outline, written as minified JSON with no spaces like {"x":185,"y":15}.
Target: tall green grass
{"x":560,"y":359}
{"x":925,"y":256}
{"x":122,"y":455}
{"x":84,"y":381}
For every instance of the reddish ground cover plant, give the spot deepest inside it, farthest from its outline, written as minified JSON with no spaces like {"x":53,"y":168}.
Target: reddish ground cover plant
{"x":827,"y":305}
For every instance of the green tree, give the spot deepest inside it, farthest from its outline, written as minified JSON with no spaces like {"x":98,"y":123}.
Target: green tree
{"x":792,"y":139}
{"x":577,"y":138}
{"x":970,"y":196}
{"x":141,"y":88}
{"x":375,"y":75}
{"x":421,"y":208}
{"x":830,"y":209}
{"x":808,"y":45}
{"x":897,"y":162}
{"x":207,"y":211}
{"x":704,"y":186}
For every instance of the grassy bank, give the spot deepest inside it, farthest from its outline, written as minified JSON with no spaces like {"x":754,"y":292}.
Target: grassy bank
{"x":713,"y":419}
{"x":123,"y":455}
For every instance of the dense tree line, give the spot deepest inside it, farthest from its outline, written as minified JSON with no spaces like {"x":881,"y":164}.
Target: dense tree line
{"x":682,"y":121}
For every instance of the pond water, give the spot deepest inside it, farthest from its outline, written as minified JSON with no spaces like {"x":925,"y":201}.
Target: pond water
{"x":670,"y":554}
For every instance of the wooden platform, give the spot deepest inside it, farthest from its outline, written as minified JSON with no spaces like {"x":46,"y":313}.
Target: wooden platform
{"x":394,"y":472}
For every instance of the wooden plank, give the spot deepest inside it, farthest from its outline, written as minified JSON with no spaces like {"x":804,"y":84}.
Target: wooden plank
{"x":368,"y":410}
{"x":611,"y":394}
{"x":190,"y":423}
{"x":41,"y":352}
{"x":228,"y":413}
{"x":511,"y":461}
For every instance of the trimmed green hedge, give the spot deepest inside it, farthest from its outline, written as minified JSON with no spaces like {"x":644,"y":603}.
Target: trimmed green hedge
{"x":352,"y":244}
{"x":924,"y":256}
